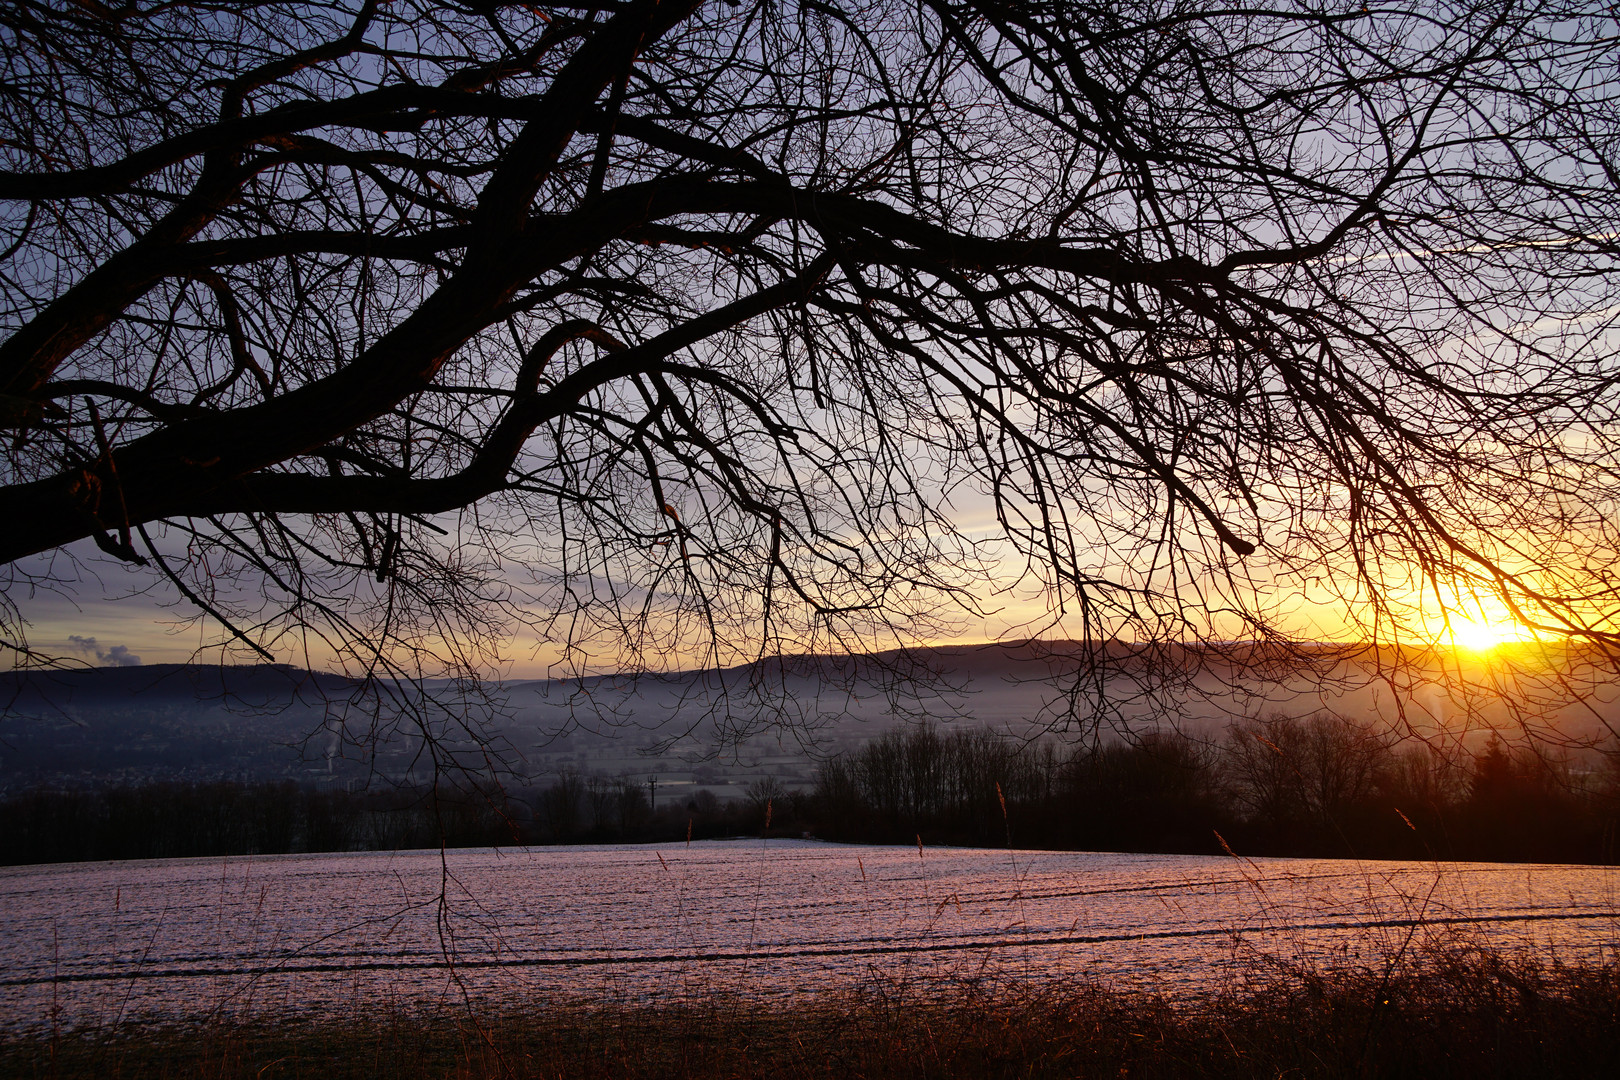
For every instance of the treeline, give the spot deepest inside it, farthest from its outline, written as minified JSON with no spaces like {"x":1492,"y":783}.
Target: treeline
{"x":577,"y":808}
{"x":180,"y":820}
{"x":1320,"y":786}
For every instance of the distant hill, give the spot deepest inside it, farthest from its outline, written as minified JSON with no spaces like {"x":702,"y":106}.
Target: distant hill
{"x":264,"y":686}
{"x":717,"y":729}
{"x":99,"y":726}
{"x":720,"y":729}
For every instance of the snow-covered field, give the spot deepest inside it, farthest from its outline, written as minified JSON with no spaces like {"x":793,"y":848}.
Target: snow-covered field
{"x":95,"y":943}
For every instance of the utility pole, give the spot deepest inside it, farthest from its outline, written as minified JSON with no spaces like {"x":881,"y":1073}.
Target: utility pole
{"x":652,"y":792}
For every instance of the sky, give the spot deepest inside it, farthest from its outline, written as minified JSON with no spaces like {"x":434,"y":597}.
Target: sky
{"x":109,"y":614}
{"x":113,"y":614}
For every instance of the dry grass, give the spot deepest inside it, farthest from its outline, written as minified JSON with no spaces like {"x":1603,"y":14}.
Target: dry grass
{"x":1459,"y":1013}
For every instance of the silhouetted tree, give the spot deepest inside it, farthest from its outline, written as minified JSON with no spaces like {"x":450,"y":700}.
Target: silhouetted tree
{"x":672,"y":329}
{"x":1520,"y":806}
{"x":560,"y":804}
{"x":767,"y":800}
{"x":631,"y":809}
{"x":1158,"y":794}
{"x":599,"y":799}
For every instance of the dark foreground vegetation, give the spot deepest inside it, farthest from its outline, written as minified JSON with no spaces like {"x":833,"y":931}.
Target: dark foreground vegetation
{"x":1318,"y":786}
{"x":1452,"y":1014}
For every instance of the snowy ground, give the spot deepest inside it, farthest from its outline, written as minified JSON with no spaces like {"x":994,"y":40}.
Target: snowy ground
{"x":99,"y":943}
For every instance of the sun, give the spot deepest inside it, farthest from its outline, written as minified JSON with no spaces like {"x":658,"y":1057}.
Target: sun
{"x":1481,"y":637}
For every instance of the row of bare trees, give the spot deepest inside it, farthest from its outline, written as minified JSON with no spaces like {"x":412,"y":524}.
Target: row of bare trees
{"x":181,"y":820}
{"x":670,"y":333}
{"x":1320,"y":785}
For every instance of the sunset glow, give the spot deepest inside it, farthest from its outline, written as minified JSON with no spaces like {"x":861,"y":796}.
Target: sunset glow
{"x":1481,"y":637}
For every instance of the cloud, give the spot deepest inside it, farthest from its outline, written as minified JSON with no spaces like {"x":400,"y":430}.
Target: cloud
{"x":116,"y":656}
